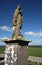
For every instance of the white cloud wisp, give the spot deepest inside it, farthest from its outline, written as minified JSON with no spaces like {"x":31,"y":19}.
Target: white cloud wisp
{"x":37,"y":34}
{"x":5,"y":28}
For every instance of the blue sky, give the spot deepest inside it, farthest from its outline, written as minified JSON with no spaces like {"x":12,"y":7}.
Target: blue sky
{"x":32,"y":19}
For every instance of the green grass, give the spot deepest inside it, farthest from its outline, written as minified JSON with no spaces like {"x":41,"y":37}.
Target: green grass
{"x":2,"y":49}
{"x":33,"y":63}
{"x":35,"y":51}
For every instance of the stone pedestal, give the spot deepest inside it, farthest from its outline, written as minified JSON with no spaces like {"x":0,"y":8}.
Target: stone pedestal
{"x":16,"y":53}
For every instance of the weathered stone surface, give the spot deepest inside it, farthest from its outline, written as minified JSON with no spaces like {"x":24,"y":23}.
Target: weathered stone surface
{"x":11,"y":54}
{"x":17,"y":21}
{"x":16,"y":55}
{"x":22,"y":55}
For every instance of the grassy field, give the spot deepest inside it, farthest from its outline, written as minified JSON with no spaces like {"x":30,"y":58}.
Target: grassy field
{"x":33,"y":63}
{"x":35,"y":51}
{"x":2,"y":49}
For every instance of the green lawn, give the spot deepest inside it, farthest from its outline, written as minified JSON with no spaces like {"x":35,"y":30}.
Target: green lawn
{"x":35,"y":51}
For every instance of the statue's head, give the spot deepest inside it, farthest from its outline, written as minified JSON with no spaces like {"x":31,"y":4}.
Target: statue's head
{"x":19,"y":7}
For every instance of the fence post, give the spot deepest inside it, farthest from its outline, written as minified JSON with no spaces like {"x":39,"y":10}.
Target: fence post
{"x":37,"y":63}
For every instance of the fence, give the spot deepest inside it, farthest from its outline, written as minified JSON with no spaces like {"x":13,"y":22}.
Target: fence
{"x":35,"y":59}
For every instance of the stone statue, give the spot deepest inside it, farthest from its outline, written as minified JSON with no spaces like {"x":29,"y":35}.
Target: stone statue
{"x":17,"y":20}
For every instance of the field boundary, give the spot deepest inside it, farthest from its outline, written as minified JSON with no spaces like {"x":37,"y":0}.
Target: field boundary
{"x":35,"y":59}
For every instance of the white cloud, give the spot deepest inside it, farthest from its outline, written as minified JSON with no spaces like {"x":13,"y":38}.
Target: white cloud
{"x":3,"y":38}
{"x":5,"y":28}
{"x":36,"y":42}
{"x":38,"y":34}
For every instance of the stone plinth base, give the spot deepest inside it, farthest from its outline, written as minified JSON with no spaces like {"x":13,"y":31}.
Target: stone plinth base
{"x":16,"y":54}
